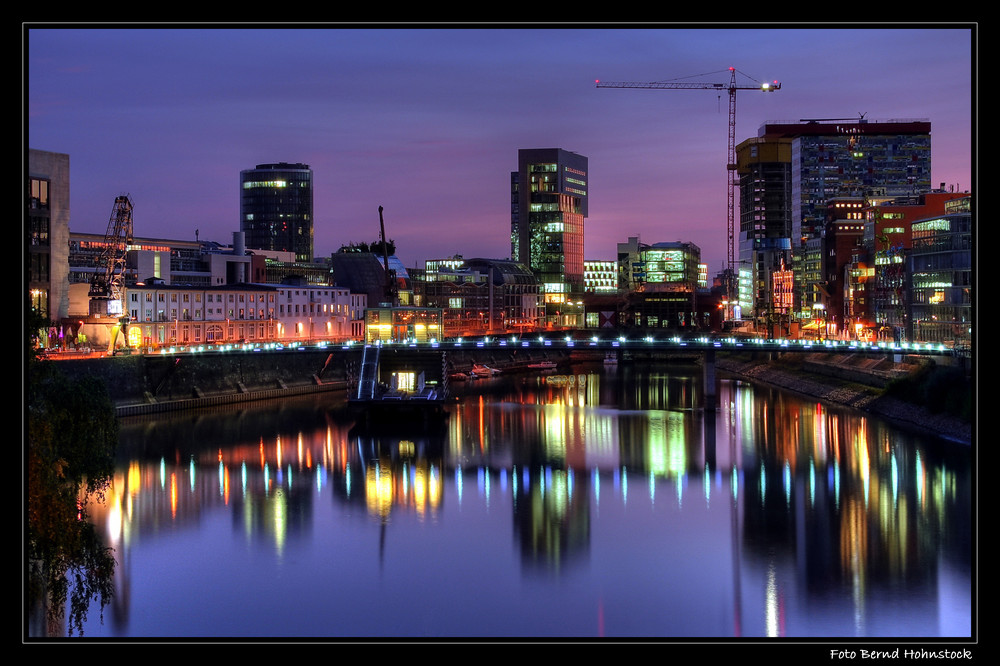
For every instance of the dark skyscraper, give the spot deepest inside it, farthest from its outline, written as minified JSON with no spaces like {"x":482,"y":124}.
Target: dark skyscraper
{"x":276,"y":208}
{"x":548,"y":208}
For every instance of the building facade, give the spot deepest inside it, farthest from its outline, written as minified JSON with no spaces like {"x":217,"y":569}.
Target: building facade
{"x":548,"y":210}
{"x":481,"y":296}
{"x":660,"y":283}
{"x":47,"y":234}
{"x":764,"y":168}
{"x":276,"y":208}
{"x":667,"y":266}
{"x":600,"y":276}
{"x":164,"y":315}
{"x":939,"y":270}
{"x":833,"y":158}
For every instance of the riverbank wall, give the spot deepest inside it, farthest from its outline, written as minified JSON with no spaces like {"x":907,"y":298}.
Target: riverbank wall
{"x":142,"y":384}
{"x":146,"y":384}
{"x":858,"y":382}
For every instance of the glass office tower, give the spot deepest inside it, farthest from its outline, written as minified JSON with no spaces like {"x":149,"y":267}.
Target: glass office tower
{"x":548,"y":209}
{"x":276,"y":208}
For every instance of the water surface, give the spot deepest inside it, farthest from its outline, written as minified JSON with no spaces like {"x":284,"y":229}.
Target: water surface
{"x":597,"y":503}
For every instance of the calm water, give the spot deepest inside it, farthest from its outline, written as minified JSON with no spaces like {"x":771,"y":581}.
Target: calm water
{"x":598,"y":504}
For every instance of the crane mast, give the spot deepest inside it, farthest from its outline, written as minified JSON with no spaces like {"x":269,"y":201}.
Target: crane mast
{"x":732,"y":87}
{"x":107,"y":287}
{"x":390,"y":277}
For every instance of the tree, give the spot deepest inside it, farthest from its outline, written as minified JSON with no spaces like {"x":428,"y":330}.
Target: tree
{"x":375,"y":247}
{"x":36,"y":322}
{"x":72,"y":432}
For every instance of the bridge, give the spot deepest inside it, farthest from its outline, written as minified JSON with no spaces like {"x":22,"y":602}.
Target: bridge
{"x":571,"y":342}
{"x":428,"y":360}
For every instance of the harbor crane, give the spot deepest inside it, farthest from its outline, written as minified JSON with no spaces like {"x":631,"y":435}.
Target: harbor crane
{"x":107,"y":286}
{"x":732,"y":87}
{"x":391,"y":290}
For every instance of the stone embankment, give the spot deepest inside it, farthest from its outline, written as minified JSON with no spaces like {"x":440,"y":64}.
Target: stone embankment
{"x":824,"y":377}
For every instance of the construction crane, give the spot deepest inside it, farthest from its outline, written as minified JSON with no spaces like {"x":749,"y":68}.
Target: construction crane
{"x":732,"y":87}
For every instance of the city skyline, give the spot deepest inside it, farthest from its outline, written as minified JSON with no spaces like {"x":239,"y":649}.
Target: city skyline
{"x":428,"y":122}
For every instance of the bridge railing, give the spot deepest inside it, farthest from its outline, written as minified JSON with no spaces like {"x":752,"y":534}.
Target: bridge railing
{"x":606,"y":343}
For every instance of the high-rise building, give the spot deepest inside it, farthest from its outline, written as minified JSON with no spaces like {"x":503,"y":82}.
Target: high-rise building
{"x":548,"y":209}
{"x":276,"y":208}
{"x":833,"y":158}
{"x":764,"y":168}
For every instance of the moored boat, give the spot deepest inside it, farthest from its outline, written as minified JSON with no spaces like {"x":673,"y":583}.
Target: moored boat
{"x":480,"y":370}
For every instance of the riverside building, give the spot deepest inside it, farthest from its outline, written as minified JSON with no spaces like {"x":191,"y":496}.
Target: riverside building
{"x":245,"y":313}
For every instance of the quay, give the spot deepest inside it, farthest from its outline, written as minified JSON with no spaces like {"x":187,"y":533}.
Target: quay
{"x":192,"y":378}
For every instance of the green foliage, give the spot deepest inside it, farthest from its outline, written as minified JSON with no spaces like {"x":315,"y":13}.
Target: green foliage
{"x":72,"y":432}
{"x":375,"y":247}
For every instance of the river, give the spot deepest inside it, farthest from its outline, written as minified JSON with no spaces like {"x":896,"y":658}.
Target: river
{"x":595,"y":503}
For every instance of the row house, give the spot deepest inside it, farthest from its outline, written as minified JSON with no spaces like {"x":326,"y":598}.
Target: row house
{"x":241,"y":313}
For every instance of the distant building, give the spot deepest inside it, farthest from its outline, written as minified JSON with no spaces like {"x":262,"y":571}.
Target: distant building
{"x":195,"y":267}
{"x":666,"y":266}
{"x":843,"y":237}
{"x":548,"y":210}
{"x":276,"y":208}
{"x":192,"y":263}
{"x":600,"y":276}
{"x":365,"y":273}
{"x":244,"y":313}
{"x":481,"y":296}
{"x":662,"y":284}
{"x":764,"y":168}
{"x":47,"y":234}
{"x":834,"y":158}
{"x":939,"y":270}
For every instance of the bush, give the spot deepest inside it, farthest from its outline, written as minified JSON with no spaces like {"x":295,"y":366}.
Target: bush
{"x":72,"y":432}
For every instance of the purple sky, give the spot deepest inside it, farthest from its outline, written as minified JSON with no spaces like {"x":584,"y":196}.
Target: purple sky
{"x":427,"y":122}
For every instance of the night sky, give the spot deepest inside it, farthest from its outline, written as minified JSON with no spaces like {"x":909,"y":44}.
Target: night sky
{"x":427,"y":122}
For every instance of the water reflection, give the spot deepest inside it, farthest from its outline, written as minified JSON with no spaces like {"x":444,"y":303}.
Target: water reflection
{"x":630,"y":511}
